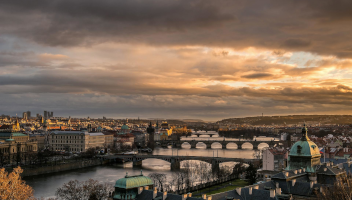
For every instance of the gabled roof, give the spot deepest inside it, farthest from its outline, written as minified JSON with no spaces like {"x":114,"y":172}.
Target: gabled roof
{"x":327,"y":170}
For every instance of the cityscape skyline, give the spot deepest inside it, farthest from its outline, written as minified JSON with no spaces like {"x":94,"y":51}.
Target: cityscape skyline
{"x":190,"y":60}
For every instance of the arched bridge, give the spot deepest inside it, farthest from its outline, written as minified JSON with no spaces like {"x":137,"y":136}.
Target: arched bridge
{"x":176,"y":160}
{"x":224,"y":143}
{"x":210,"y":134}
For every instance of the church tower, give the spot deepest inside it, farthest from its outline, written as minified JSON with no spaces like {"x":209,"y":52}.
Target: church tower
{"x":150,"y":131}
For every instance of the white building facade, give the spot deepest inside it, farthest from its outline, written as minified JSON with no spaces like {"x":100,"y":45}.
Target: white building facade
{"x":75,"y":141}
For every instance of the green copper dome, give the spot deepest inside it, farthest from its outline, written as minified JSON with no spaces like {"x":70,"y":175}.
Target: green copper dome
{"x":304,"y":147}
{"x":133,"y":182}
{"x":304,"y":154}
{"x":125,"y":127}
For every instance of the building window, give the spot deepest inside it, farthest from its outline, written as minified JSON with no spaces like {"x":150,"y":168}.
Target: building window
{"x":299,"y":148}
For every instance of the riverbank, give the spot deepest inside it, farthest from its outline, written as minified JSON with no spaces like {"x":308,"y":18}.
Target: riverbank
{"x":61,"y":167}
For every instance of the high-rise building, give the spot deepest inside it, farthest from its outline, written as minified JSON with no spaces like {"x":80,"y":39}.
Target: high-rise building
{"x":45,"y":114}
{"x":51,"y":114}
{"x":24,"y":115}
{"x":29,"y":114}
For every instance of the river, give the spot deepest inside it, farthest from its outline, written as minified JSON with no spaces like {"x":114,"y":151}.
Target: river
{"x":46,"y":185}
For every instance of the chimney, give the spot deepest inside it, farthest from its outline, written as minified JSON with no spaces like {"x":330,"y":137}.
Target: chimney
{"x":295,"y":171}
{"x":184,"y":196}
{"x":300,"y":171}
{"x":272,"y":193}
{"x":293,"y":182}
{"x":286,"y":174}
{"x":277,"y":185}
{"x":209,"y":198}
{"x":250,"y":190}
{"x":325,"y":169}
{"x":140,"y":190}
{"x":155,"y":192}
{"x":238,"y":190}
{"x":256,"y":187}
{"x":311,"y":184}
{"x":204,"y":196}
{"x":146,"y":187}
{"x":164,"y":195}
{"x":321,"y":189}
{"x":278,"y":191}
{"x":189,"y":194}
{"x":304,"y":169}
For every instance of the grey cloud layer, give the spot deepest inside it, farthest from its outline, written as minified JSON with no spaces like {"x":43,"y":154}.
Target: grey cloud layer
{"x":315,"y":26}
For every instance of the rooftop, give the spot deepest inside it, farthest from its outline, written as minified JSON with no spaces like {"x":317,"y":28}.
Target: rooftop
{"x":133,"y":181}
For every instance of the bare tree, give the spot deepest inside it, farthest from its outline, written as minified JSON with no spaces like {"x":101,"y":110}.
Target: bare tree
{"x":159,"y":181}
{"x":340,"y":190}
{"x":177,"y":181}
{"x":90,"y":189}
{"x":225,"y":171}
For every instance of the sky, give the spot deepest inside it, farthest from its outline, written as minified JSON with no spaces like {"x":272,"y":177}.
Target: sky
{"x":176,"y":59}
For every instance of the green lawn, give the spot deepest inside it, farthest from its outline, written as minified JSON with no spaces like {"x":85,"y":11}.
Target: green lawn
{"x":231,"y":185}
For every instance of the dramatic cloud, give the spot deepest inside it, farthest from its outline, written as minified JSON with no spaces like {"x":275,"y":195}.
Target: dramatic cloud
{"x":177,"y":59}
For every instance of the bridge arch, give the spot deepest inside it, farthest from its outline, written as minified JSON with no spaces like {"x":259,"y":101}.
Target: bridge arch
{"x":231,"y":145}
{"x":186,"y":145}
{"x":263,"y":145}
{"x":247,"y":145}
{"x":216,"y":145}
{"x":201,"y":145}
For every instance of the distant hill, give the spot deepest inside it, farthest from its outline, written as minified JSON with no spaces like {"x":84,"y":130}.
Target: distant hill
{"x":291,"y":120}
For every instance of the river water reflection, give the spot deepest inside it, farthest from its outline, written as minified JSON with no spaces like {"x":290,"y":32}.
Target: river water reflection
{"x":46,"y":185}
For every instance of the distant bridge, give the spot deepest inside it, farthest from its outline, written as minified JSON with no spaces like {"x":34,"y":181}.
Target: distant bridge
{"x":223,"y":143}
{"x":176,"y":160}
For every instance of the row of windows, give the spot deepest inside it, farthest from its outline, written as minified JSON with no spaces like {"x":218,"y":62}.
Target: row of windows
{"x":70,"y":149}
{"x":28,"y":148}
{"x":61,"y":145}
{"x":67,"y":141}
{"x":69,"y":137}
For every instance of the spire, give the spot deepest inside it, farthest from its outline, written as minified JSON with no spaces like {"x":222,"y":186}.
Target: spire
{"x":141,"y":172}
{"x":126,"y":175}
{"x":304,"y":133}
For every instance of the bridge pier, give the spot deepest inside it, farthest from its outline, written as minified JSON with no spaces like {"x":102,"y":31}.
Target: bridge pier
{"x":255,"y":147}
{"x":193,"y":145}
{"x":215,"y":166}
{"x":239,"y":146}
{"x":223,"y":146}
{"x":137,"y":163}
{"x":175,"y":164}
{"x":178,"y":145}
{"x":208,"y":145}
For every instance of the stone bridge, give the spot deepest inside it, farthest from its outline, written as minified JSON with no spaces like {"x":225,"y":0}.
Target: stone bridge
{"x":223,"y":143}
{"x":176,"y":160}
{"x":210,"y":134}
